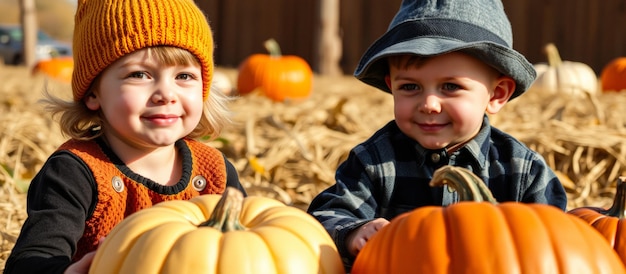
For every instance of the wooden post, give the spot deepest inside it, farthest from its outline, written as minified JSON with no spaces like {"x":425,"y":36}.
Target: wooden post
{"x":28,"y":16}
{"x":328,"y":42}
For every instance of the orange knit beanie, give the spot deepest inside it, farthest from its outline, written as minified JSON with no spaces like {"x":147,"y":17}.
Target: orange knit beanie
{"x":106,"y":30}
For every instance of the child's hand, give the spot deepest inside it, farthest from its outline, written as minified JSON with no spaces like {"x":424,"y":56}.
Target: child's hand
{"x":82,"y":266}
{"x":357,"y":238}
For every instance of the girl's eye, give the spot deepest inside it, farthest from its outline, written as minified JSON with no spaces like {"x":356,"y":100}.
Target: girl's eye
{"x":137,"y":74}
{"x":185,"y":76}
{"x":450,"y":86}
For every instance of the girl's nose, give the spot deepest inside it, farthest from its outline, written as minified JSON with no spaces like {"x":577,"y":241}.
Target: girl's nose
{"x":164,"y":93}
{"x":431,"y":104}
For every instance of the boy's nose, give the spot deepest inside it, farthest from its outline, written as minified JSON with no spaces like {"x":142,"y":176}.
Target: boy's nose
{"x":430,"y":104}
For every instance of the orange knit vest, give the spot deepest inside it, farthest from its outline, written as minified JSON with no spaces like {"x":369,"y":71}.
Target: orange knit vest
{"x":120,"y":196}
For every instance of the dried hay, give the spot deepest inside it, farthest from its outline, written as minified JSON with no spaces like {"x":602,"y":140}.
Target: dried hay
{"x":289,"y":151}
{"x":583,"y":139}
{"x":27,"y":137}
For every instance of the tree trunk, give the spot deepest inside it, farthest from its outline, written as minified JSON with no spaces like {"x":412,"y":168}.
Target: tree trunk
{"x":28,"y":16}
{"x":329,"y":46}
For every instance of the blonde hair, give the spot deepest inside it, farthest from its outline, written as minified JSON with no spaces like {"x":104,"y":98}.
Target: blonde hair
{"x":78,"y":122}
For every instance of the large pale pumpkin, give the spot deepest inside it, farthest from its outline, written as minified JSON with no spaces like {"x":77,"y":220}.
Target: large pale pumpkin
{"x":613,"y":75}
{"x":279,"y":77}
{"x":265,"y":236}
{"x":479,"y":235}
{"x":58,"y":68}
{"x":563,"y":77}
{"x":609,"y":222}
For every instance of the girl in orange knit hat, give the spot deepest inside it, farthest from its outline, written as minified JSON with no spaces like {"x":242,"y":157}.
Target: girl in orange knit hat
{"x":141,"y":95}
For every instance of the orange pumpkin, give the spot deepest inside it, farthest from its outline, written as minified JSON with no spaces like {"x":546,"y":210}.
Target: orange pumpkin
{"x":613,"y":75}
{"x":609,"y":222}
{"x":279,"y":77}
{"x":479,"y":235}
{"x":58,"y":68}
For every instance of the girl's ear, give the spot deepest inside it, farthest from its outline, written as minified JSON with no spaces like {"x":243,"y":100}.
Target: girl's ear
{"x":502,"y":92}
{"x":92,"y":101}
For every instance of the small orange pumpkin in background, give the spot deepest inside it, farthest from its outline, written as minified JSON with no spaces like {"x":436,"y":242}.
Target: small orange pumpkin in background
{"x":563,"y":77}
{"x":218,"y":234}
{"x":613,"y":75}
{"x":478,"y":235}
{"x":279,"y":77}
{"x":58,"y":68}
{"x":611,"y":222}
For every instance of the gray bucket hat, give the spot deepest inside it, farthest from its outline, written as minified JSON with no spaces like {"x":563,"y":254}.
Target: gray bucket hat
{"x":432,"y":27}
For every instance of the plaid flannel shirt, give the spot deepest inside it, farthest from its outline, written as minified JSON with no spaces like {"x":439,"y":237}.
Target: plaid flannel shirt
{"x":388,"y":174}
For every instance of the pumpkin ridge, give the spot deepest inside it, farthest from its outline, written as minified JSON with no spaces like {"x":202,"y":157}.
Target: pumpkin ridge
{"x":608,"y":222}
{"x":619,"y":239}
{"x":132,"y":226}
{"x":519,"y":219}
{"x":590,"y":214}
{"x":281,"y":223}
{"x":268,"y":233}
{"x":141,"y":258}
{"x":593,"y":240}
{"x":556,"y":246}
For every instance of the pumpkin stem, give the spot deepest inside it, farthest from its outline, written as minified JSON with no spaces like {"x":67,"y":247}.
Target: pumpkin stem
{"x":619,"y":203}
{"x":226,"y":215}
{"x":554,"y":58}
{"x":469,"y":186}
{"x":273,"y":48}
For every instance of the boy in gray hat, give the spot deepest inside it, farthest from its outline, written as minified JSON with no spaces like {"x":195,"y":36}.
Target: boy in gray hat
{"x":447,"y":65}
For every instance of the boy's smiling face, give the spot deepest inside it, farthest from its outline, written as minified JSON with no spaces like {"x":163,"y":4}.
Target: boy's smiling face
{"x":440,"y":101}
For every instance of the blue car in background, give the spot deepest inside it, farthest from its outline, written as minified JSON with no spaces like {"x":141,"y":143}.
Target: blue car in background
{"x":11,"y":49}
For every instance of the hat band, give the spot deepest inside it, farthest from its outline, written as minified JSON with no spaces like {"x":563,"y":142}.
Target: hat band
{"x":444,"y":28}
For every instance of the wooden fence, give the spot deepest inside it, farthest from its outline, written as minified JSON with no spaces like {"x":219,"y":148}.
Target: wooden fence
{"x":588,"y":31}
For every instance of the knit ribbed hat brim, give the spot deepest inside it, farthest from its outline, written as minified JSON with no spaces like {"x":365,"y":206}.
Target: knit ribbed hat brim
{"x":106,"y":30}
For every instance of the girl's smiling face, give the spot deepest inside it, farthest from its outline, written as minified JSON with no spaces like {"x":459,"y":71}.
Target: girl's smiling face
{"x":147,"y":103}
{"x":440,"y":101}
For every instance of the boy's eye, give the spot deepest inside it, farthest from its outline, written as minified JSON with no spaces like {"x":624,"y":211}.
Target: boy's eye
{"x":409,"y":87}
{"x":450,"y":86}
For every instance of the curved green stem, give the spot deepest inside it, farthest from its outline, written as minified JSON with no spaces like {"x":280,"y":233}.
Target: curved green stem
{"x":469,"y":186}
{"x":272,"y":48}
{"x":226,"y":215}
{"x":619,"y":203}
{"x":554,"y":58}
